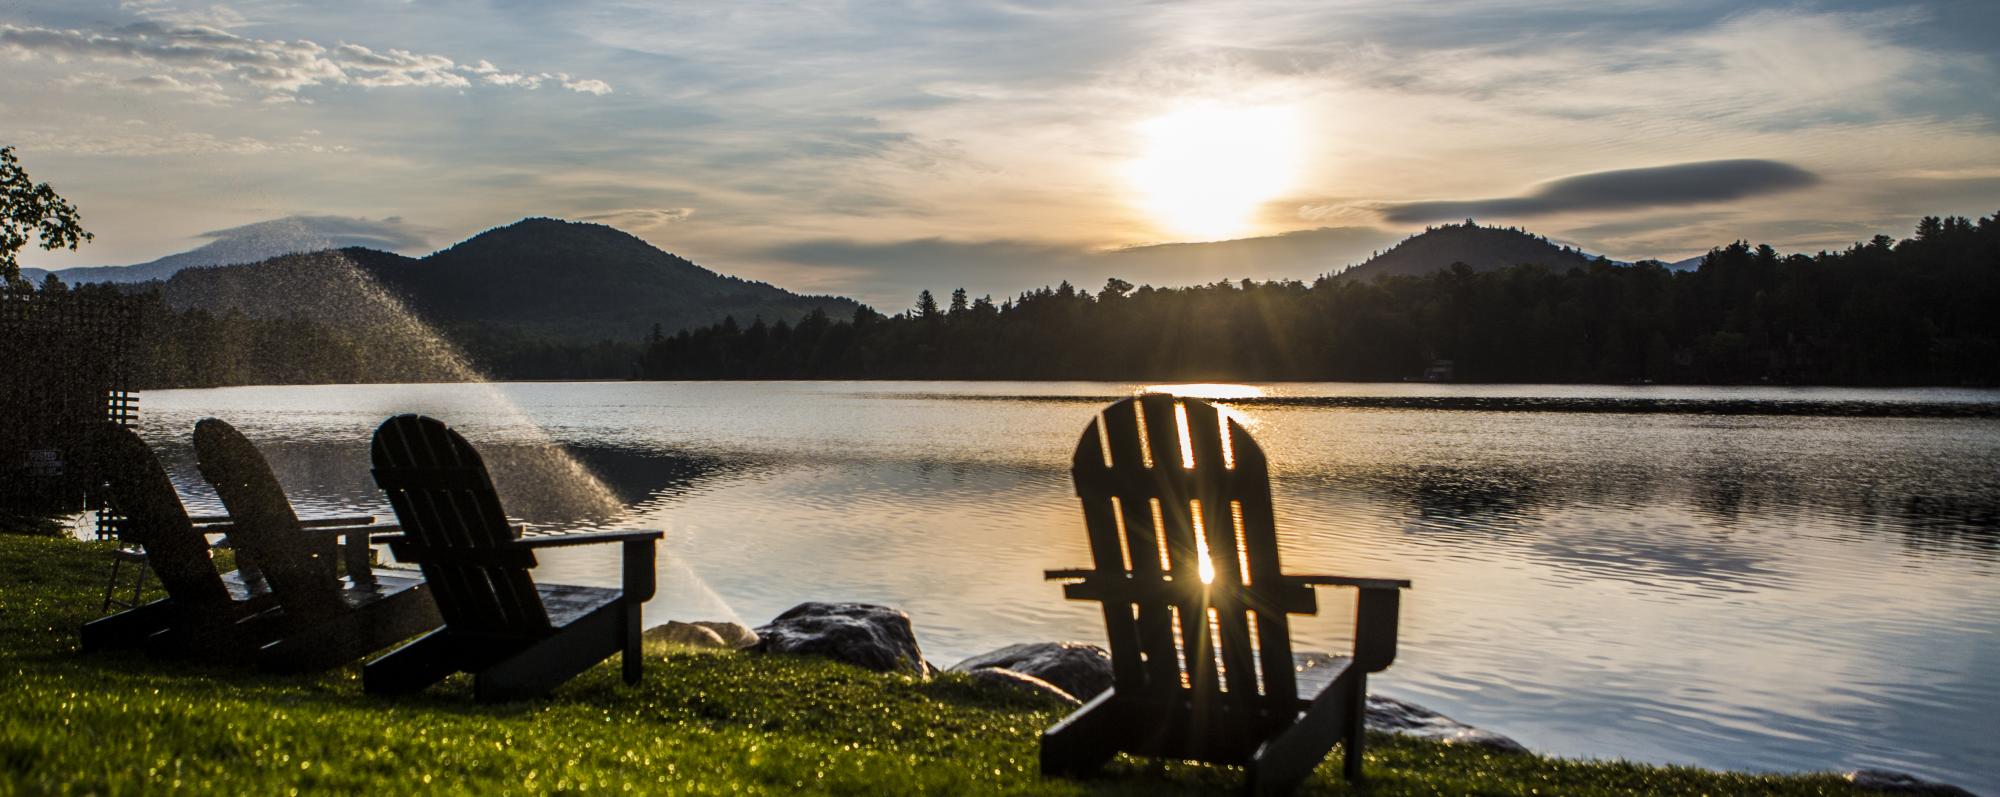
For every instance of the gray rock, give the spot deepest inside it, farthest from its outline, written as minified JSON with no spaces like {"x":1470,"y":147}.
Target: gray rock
{"x":1022,"y":682}
{"x":1074,"y":667}
{"x":735,"y":636}
{"x":1903,"y":783}
{"x":861,"y":634}
{"x":1316,"y":670}
{"x":684,"y":634}
{"x":1410,"y":719}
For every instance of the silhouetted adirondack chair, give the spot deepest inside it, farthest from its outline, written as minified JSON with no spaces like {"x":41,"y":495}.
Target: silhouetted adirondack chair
{"x":1177,"y":501}
{"x":517,"y":638}
{"x":205,"y":612}
{"x":327,"y":620}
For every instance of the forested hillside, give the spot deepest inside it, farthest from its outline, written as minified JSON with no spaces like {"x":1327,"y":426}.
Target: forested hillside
{"x":1885,"y":312}
{"x":1480,"y":248}
{"x":1919,"y":311}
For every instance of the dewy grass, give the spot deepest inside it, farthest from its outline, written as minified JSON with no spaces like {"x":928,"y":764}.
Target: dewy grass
{"x":701,"y":723}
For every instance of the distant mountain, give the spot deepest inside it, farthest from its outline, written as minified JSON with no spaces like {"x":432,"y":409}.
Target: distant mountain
{"x":1482,"y":248}
{"x":537,"y":279}
{"x":251,"y":243}
{"x":1265,"y":257}
{"x":1688,"y":264}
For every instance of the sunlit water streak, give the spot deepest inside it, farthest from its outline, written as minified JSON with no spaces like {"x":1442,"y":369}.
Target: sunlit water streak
{"x":1765,"y":592}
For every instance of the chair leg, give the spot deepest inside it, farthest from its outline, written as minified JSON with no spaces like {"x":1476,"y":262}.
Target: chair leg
{"x":633,"y":657}
{"x":548,"y":663}
{"x":323,"y":644}
{"x":212,"y":637}
{"x":110,"y":585}
{"x":1357,"y":728}
{"x":412,"y":667}
{"x":1289,"y":758}
{"x":1084,"y":740}
{"x":128,"y":628}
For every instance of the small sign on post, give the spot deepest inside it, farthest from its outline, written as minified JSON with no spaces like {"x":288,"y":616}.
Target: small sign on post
{"x":43,"y":462}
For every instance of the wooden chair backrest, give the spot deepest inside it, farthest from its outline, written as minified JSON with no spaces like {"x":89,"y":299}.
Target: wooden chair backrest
{"x":152,"y":517}
{"x":300,"y":571}
{"x":445,"y":501}
{"x":1177,"y":497}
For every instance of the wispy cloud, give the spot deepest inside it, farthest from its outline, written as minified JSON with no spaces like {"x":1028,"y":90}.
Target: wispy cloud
{"x":136,"y":139}
{"x":306,"y":233}
{"x":640,"y":219}
{"x":1622,"y":189}
{"x":177,"y":56}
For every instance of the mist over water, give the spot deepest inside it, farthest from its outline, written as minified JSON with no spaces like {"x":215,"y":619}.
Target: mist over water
{"x":1781,"y":592}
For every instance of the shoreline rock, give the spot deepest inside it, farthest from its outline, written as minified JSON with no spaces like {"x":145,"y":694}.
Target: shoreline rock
{"x":706,"y":634}
{"x":736,"y":636}
{"x":862,"y":634}
{"x":1384,"y":713}
{"x":1080,"y":670}
{"x":683,"y":634}
{"x":1893,"y":782}
{"x":1022,"y":682}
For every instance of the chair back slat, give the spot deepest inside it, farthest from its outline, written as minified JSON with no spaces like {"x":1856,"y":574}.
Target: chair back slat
{"x":1176,"y":497}
{"x":1154,"y":622}
{"x":445,"y":500}
{"x":1221,"y":535}
{"x":1260,"y":559}
{"x":138,"y":489}
{"x":300,"y":570}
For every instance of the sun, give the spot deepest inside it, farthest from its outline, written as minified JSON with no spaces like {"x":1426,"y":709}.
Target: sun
{"x":1206,"y":168}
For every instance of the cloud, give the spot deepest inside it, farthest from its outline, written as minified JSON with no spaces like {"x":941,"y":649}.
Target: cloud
{"x":585,"y":85}
{"x":133,"y":138}
{"x":1623,"y":189}
{"x":177,"y":56}
{"x":640,"y":218}
{"x":308,"y":233}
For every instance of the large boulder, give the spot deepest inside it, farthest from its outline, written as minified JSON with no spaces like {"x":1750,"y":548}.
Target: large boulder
{"x":1024,"y":683}
{"x":865,"y":635}
{"x":1074,"y":667}
{"x":1316,"y":670}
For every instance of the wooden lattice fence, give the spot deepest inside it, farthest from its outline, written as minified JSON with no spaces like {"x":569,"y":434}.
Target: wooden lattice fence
{"x":66,"y":362}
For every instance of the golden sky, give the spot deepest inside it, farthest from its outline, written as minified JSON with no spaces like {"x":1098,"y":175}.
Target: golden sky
{"x":875,"y":149}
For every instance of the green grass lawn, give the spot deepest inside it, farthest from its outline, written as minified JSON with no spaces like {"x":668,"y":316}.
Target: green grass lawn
{"x":707,"y":723}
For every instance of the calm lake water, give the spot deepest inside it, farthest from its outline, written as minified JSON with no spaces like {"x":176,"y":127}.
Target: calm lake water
{"x":1765,"y":592}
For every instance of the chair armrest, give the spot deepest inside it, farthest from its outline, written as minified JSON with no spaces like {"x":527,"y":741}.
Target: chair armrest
{"x":1375,"y":614}
{"x":1118,"y":586}
{"x":587,"y":538}
{"x":408,"y":550}
{"x":1347,"y":581}
{"x":353,"y":520}
{"x":350,"y":532}
{"x":638,"y":556}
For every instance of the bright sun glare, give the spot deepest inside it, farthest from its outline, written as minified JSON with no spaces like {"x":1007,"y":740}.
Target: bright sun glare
{"x":1206,"y":168}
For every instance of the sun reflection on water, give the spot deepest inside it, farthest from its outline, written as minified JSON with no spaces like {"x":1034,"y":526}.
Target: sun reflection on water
{"x":1214,"y":391}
